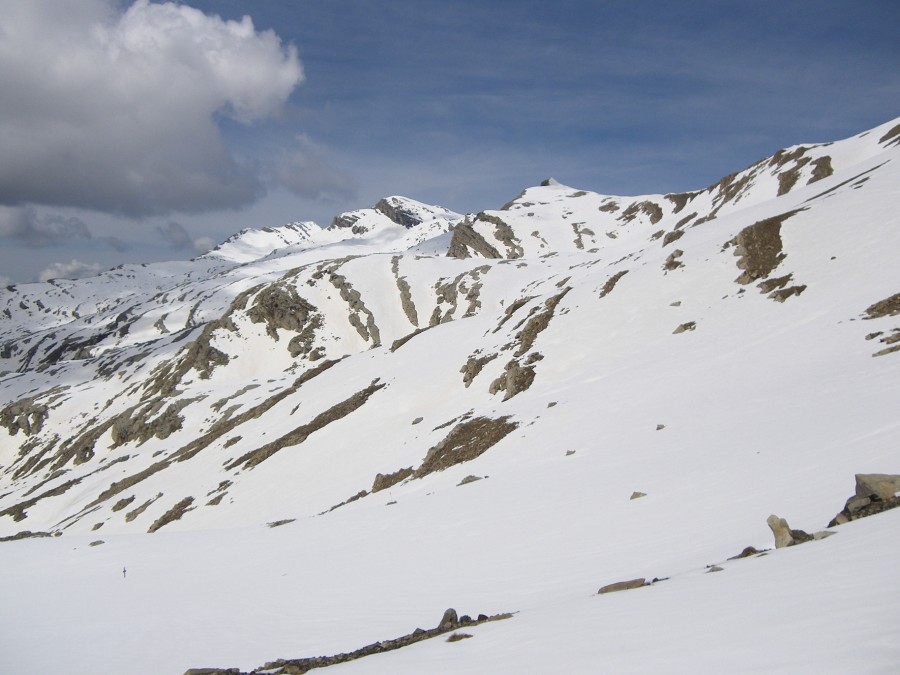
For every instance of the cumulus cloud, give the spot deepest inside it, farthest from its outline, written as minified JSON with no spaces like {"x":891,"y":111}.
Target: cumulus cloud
{"x":117,"y":110}
{"x":70,"y":270}
{"x":305,"y":171}
{"x":26,"y":226}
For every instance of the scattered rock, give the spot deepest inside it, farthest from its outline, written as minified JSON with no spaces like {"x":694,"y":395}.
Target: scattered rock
{"x":714,"y":568}
{"x":569,"y":452}
{"x":469,"y":479}
{"x":456,"y":637}
{"x":690,"y":325}
{"x":623,"y":586}
{"x":660,"y":427}
{"x":746,"y":553}
{"x":417,"y":420}
{"x":96,"y":542}
{"x":279,"y":523}
{"x":638,"y":495}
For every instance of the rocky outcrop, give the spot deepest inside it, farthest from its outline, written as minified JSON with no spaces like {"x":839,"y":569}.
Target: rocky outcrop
{"x":875,"y":493}
{"x":466,"y":242}
{"x":515,"y":379}
{"x":466,"y":441}
{"x":758,"y":248}
{"x":301,"y":433}
{"x":173,"y":514}
{"x":393,"y":209}
{"x":449,"y":622}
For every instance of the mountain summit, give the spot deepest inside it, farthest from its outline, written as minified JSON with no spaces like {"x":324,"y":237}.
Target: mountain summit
{"x":499,"y":412}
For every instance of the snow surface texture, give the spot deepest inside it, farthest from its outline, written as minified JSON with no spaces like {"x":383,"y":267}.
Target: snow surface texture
{"x":729,"y":352}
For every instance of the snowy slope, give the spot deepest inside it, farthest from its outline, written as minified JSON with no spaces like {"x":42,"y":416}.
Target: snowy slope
{"x":731,"y":352}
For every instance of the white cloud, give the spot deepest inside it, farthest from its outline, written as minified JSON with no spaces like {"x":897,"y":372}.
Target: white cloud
{"x":70,"y":270}
{"x":117,"y":111}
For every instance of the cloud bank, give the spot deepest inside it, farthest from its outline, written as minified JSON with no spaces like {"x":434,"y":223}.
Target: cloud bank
{"x":26,"y":226}
{"x":70,"y":270}
{"x":120,"y":111}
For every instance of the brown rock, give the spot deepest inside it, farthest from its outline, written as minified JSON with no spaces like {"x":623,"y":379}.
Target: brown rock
{"x":623,"y":586}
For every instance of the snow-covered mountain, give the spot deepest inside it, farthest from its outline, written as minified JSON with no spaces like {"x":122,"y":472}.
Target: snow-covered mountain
{"x":445,"y":410}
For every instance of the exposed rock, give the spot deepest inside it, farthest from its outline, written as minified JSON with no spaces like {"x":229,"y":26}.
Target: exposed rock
{"x":688,"y":326}
{"x":466,"y":441}
{"x":26,"y":415}
{"x":637,"y":495}
{"x":650,"y":209}
{"x":674,"y":235}
{"x":469,"y":479}
{"x":759,"y":247}
{"x":279,"y":306}
{"x":97,"y":542}
{"x":882,"y":485}
{"x":538,"y":322}
{"x":406,"y":301}
{"x":122,"y":503}
{"x":821,"y":169}
{"x":300,"y":666}
{"x":474,"y":366}
{"x":875,"y":493}
{"x":887,"y":307}
{"x":173,"y":514}
{"x":673,"y":262}
{"x":504,"y":234}
{"x":623,"y":586}
{"x":25,"y":534}
{"x":746,"y":553}
{"x":465,"y":241}
{"x":515,"y":379}
{"x":279,"y":523}
{"x":394,"y":210}
{"x":456,"y":637}
{"x":301,"y":433}
{"x":714,"y":568}
{"x":449,"y":619}
{"x":611,"y":283}
{"x":784,"y":535}
{"x":384,"y":481}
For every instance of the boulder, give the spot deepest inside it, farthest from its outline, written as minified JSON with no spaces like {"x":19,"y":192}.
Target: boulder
{"x":623,"y":586}
{"x":882,"y":485}
{"x":449,"y":620}
{"x":784,"y":535}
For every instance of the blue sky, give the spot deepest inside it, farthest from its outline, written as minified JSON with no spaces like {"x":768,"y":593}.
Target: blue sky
{"x":461,"y":104}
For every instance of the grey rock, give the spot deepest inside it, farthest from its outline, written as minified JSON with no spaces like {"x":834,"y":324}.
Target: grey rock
{"x":623,"y":586}
{"x":882,"y":485}
{"x":784,"y":535}
{"x":449,"y":620}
